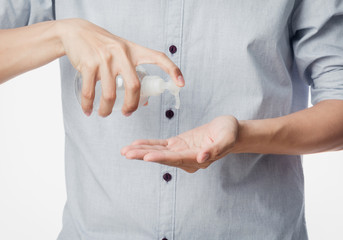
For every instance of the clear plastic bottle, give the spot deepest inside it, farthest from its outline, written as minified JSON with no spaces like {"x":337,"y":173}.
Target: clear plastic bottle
{"x":150,"y":86}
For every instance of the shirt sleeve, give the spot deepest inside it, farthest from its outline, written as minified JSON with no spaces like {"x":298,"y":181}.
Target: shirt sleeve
{"x":19,"y":13}
{"x":317,"y":28}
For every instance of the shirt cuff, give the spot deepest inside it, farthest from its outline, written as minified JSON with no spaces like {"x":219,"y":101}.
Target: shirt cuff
{"x":327,"y":86}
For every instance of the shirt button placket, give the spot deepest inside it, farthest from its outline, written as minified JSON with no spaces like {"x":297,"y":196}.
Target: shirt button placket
{"x":169,"y":121}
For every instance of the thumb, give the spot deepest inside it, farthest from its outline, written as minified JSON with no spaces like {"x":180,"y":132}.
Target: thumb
{"x":217,"y":149}
{"x":211,"y":152}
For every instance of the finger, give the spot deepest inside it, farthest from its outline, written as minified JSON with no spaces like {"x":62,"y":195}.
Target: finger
{"x":190,"y":169}
{"x":169,"y":67}
{"x":88,"y":90}
{"x":203,"y":156}
{"x":147,"y":55}
{"x":140,"y":153}
{"x":137,"y":153}
{"x":172,"y":158}
{"x":108,"y":89}
{"x":138,"y":147}
{"x":161,"y":142}
{"x":132,"y":90}
{"x":183,"y":161}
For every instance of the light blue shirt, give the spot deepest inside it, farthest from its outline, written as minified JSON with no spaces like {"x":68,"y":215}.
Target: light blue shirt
{"x":250,"y":59}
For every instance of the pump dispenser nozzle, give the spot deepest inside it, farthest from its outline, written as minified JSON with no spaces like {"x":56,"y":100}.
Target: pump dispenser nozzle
{"x":154,"y":86}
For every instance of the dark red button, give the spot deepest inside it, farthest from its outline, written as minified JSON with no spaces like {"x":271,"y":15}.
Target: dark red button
{"x":169,"y":114}
{"x":172,"y":49}
{"x":167,"y":177}
{"x":164,"y":238}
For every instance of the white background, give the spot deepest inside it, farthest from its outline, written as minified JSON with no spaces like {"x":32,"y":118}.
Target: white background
{"x":32,"y":186}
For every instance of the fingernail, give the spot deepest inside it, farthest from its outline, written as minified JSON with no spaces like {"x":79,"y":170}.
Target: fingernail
{"x":205,"y":157}
{"x":181,"y":80}
{"x":127,"y":114}
{"x":88,"y":113}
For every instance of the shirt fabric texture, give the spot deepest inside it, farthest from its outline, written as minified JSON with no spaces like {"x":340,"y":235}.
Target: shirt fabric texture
{"x":249,"y":59}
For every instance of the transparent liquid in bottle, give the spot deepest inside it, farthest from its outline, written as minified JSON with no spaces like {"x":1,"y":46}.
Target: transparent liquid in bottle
{"x":120,"y":90}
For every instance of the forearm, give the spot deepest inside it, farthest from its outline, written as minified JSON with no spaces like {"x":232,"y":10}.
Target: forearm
{"x":312,"y":130}
{"x":23,"y":49}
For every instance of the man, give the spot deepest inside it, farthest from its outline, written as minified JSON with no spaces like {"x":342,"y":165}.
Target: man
{"x":247,"y":66}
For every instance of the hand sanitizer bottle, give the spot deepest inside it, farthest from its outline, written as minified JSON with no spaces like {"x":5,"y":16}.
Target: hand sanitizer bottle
{"x":150,"y":86}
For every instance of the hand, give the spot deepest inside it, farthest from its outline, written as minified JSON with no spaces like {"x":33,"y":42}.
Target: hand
{"x":191,"y":150}
{"x":98,"y":54}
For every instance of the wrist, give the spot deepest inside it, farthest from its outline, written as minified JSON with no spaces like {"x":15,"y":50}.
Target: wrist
{"x":59,"y":31}
{"x":240,"y":144}
{"x":255,"y":136}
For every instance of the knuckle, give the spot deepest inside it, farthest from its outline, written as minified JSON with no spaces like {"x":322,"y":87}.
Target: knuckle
{"x":87,"y":93}
{"x":109,"y":96}
{"x":122,"y":48}
{"x":89,"y":66}
{"x":175,"y":70}
{"x":121,"y":44}
{"x":106,"y":55}
{"x":131,"y":46}
{"x":134,"y":86}
{"x":112,"y":48}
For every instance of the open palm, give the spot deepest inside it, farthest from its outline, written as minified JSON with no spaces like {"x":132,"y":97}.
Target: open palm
{"x":191,"y":150}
